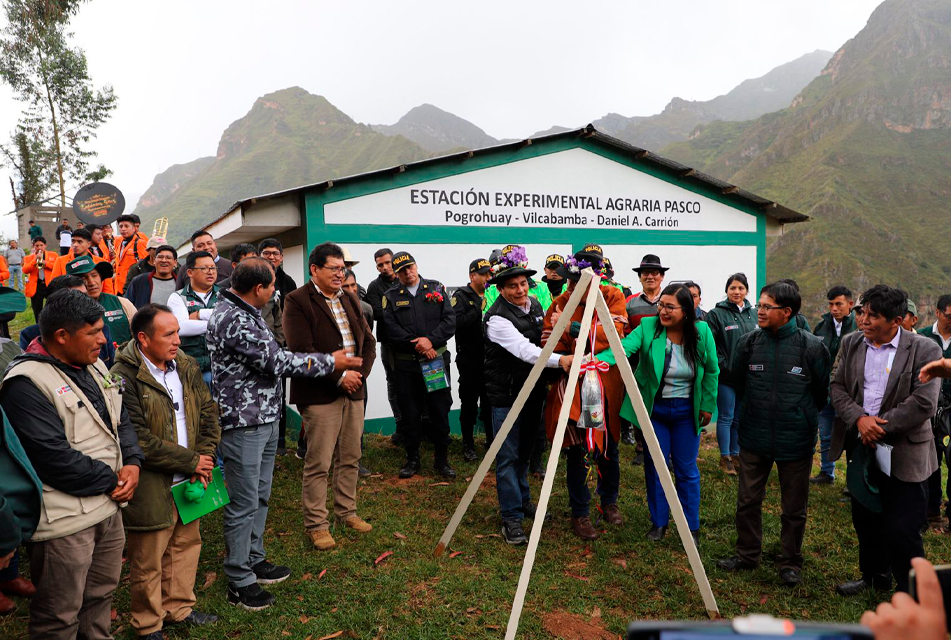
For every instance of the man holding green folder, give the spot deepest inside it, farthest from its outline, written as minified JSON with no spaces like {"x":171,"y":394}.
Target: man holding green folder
{"x":164,"y":395}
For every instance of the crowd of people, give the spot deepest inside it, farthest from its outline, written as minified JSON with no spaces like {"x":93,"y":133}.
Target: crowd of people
{"x":142,"y":373}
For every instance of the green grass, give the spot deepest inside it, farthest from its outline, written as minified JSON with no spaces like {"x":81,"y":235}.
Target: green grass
{"x":620,"y":577}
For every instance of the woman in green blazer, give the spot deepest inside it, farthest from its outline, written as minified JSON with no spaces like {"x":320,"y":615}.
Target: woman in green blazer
{"x":677,"y":376}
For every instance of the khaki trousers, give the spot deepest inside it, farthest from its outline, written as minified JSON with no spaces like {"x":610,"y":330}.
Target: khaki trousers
{"x":162,"y":566}
{"x":333,"y":441}
{"x":75,"y":577}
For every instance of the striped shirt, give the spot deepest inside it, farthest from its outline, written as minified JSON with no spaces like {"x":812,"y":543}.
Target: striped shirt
{"x":340,"y":316}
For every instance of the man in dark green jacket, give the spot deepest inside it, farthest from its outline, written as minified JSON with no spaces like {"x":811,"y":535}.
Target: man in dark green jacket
{"x":21,"y":494}
{"x":835,"y":325}
{"x":940,"y":332}
{"x":782,"y":380}
{"x":176,"y":422}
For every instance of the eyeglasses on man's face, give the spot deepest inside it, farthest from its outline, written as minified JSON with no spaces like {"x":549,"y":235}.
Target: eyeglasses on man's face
{"x":337,"y":271}
{"x":667,"y":307}
{"x":270,"y":253}
{"x":768,"y":307}
{"x":205,"y":269}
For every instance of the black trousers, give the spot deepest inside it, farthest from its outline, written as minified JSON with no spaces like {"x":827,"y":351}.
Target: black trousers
{"x":391,"y":392}
{"x":934,"y":483}
{"x":794,"y":496}
{"x":414,"y":401}
{"x":890,"y":539}
{"x":37,"y":300}
{"x":472,"y":397}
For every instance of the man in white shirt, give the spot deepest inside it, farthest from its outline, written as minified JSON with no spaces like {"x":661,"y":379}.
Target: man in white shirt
{"x":513,"y":330}
{"x":176,"y":422}
{"x":193,"y":305}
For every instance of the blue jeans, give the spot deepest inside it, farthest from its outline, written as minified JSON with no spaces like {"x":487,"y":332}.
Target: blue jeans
{"x":511,"y":463}
{"x":16,"y":277}
{"x":826,"y":418}
{"x":249,"y":460}
{"x":609,"y":477}
{"x":728,"y":421}
{"x":677,"y":433}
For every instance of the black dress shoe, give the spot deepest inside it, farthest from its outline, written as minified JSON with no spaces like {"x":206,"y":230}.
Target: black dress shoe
{"x":638,"y":460}
{"x":199,"y":618}
{"x":469,"y":453}
{"x":822,"y":478}
{"x":282,"y":451}
{"x":656,"y":534}
{"x":855,"y":587}
{"x":735,"y":563}
{"x":397,"y":439}
{"x":410,"y":469}
{"x":790,"y":576}
{"x":442,"y":467}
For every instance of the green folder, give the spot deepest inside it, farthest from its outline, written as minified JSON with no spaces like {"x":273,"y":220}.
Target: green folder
{"x":216,"y":496}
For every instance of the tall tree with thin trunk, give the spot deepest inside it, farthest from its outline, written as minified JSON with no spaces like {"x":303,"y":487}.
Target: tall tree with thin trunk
{"x":62,"y":108}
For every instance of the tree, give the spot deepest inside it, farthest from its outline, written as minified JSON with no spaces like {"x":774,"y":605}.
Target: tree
{"x":62,"y":108}
{"x":27,"y":157}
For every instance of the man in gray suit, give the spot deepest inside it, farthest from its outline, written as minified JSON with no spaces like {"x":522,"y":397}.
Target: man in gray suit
{"x":883,"y":407}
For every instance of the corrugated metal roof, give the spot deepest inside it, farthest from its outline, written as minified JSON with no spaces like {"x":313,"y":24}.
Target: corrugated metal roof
{"x":675,"y":169}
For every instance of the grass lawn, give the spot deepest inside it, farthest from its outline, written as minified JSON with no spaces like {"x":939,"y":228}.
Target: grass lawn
{"x":577,"y":591}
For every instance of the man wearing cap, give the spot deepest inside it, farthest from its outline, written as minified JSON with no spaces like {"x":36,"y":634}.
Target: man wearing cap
{"x":910,"y":320}
{"x":470,"y":353}
{"x":146,"y":264}
{"x":540,"y":293}
{"x":613,"y":389}
{"x":513,"y":333}
{"x":118,"y":311}
{"x":419,"y":322}
{"x":81,"y":242}
{"x":556,"y":284}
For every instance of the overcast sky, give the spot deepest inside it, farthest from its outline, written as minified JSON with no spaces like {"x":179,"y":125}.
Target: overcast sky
{"x":184,"y":70}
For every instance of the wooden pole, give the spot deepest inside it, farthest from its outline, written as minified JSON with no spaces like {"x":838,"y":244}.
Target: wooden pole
{"x":555,"y":454}
{"x":647,"y":428}
{"x":513,"y":414}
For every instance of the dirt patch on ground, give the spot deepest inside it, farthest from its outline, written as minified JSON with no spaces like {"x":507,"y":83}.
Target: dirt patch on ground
{"x":569,"y":626}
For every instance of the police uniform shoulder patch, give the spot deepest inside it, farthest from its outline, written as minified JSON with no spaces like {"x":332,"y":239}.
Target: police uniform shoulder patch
{"x":383,"y":301}
{"x":453,"y":301}
{"x":483,"y":303}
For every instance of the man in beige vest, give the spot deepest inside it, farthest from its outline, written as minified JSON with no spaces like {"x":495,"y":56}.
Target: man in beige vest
{"x":66,"y":409}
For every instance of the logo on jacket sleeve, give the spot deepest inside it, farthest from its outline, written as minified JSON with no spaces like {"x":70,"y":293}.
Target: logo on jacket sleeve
{"x":731,"y":327}
{"x":757,"y":367}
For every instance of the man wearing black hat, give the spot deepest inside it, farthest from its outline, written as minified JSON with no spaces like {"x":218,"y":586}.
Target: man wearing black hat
{"x":470,"y":353}
{"x":513,"y":330}
{"x":419,"y":322}
{"x":651,"y":274}
{"x":556,"y":284}
{"x":509,"y":255}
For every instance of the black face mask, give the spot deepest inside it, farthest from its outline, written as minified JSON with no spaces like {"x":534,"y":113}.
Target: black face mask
{"x":555,"y":287}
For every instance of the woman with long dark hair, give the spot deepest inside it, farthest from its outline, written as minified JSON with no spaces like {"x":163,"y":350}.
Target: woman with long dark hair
{"x":730,"y":320}
{"x":677,"y":376}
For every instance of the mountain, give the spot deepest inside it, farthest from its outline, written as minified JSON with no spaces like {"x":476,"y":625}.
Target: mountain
{"x":287,"y":139}
{"x":865,"y":149}
{"x":436,"y":130}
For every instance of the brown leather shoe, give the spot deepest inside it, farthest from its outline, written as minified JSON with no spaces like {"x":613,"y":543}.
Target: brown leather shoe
{"x":583,"y":528}
{"x":7,"y":606}
{"x":726,"y":466}
{"x":357,"y":524}
{"x":612,"y":515}
{"x":322,"y":539}
{"x":19,"y":586}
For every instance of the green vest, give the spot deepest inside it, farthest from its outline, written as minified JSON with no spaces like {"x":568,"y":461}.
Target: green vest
{"x":115,"y":317}
{"x":538,"y":291}
{"x":196,"y":346}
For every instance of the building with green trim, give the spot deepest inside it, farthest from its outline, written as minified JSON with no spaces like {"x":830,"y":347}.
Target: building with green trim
{"x":551,"y":194}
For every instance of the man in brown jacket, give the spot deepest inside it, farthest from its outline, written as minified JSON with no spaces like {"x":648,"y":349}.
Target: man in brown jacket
{"x":320,"y":316}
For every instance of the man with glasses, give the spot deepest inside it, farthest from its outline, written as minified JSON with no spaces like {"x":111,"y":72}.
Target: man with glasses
{"x":193,"y":305}
{"x":273,"y":251}
{"x":158,"y":286}
{"x":782,"y":381}
{"x":940,"y":332}
{"x":384,"y":265}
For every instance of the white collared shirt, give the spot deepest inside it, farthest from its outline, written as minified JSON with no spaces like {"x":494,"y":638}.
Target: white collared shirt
{"x":944,"y":343}
{"x":172,"y":384}
{"x":503,"y":333}
{"x":838,"y":327}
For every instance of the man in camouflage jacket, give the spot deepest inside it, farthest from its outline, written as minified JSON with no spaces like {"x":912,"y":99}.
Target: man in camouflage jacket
{"x":247,"y":366}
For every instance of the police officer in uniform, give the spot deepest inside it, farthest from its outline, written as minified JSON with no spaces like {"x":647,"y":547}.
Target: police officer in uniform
{"x":470,"y":354}
{"x":419,"y":322}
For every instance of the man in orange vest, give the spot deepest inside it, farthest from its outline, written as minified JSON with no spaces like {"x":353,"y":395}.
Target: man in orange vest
{"x":129,"y":248}
{"x":38,"y":268}
{"x":79,"y":246}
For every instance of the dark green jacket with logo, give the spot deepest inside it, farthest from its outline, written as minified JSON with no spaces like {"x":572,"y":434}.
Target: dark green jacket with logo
{"x":151,"y":412}
{"x":728,"y":324}
{"x":825,"y":331}
{"x":781,"y":381}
